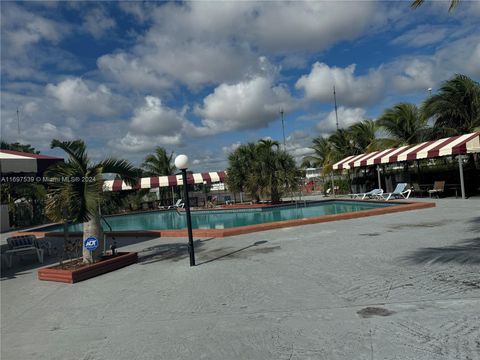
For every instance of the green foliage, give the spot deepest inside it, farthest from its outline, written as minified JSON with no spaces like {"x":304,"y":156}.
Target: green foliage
{"x":159,"y":163}
{"x":26,"y":148}
{"x":76,"y":191}
{"x":262,"y":169}
{"x":405,"y":123}
{"x":455,"y":108}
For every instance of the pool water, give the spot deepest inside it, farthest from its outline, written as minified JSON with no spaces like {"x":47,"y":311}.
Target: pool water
{"x":223,"y":219}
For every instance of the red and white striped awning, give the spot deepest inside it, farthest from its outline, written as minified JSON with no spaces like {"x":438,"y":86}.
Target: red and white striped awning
{"x":164,"y":181}
{"x":455,"y":145}
{"x":16,"y":162}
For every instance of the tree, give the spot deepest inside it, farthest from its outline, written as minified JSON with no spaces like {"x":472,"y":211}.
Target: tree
{"x":242,"y":168}
{"x":26,"y":148}
{"x":455,"y":108}
{"x":322,"y":154}
{"x":405,"y":123}
{"x":262,"y":169}
{"x":417,"y":3}
{"x":159,"y":163}
{"x":76,"y":194}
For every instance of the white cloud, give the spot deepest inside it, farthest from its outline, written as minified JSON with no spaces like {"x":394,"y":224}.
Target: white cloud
{"x":346,"y":117}
{"x":231,"y":148}
{"x":74,"y":96}
{"x":422,"y":35}
{"x":185,"y":46}
{"x":351,"y":90}
{"x":22,"y":28}
{"x":250,"y":104}
{"x":98,"y":23}
{"x":153,"y":118}
{"x":135,"y":143}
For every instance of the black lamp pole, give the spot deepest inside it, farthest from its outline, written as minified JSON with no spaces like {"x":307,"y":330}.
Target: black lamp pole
{"x":191,"y":250}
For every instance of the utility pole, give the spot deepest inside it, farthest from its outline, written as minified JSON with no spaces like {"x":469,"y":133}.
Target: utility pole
{"x":335,"y":98}
{"x":283,"y":128}
{"x":18,"y":122}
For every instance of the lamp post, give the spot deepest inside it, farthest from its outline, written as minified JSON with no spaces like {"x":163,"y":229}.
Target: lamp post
{"x":181,"y":162}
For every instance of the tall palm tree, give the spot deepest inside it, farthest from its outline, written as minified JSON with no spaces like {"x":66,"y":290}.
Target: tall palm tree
{"x":417,"y":3}
{"x":243,"y":170}
{"x":322,"y":153}
{"x":456,"y":106}
{"x":159,"y":163}
{"x":77,"y":193}
{"x":405,"y":123}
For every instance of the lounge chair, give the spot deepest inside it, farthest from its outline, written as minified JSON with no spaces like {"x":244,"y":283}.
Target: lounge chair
{"x":178,"y":204}
{"x":373,"y":194}
{"x":399,"y":192}
{"x":438,"y":188}
{"x":26,"y":244}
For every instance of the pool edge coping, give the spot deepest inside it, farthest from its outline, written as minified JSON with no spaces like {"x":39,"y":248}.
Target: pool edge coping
{"x":402,"y":206}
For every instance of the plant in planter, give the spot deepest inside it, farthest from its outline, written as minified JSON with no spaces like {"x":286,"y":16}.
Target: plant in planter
{"x":75,"y":191}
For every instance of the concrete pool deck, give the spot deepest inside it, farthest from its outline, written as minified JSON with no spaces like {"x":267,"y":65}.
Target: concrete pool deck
{"x":396,"y":286}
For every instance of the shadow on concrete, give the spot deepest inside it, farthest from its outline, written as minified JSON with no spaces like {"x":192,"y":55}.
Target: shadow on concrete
{"x":475,"y":224}
{"x":172,"y":251}
{"x":466,"y":252}
{"x":244,"y":252}
{"x":26,"y":265}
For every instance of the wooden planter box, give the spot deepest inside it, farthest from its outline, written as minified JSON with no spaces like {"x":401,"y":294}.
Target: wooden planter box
{"x":101,"y":267}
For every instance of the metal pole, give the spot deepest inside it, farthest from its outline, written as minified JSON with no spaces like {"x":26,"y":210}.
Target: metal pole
{"x":379,"y":177}
{"x":333,"y":185}
{"x":191,"y":250}
{"x":335,"y":98}
{"x":283,"y":128}
{"x":460,"y":168}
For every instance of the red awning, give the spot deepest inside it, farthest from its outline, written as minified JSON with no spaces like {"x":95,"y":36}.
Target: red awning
{"x":455,"y":145}
{"x":164,"y":181}
{"x":16,"y":162}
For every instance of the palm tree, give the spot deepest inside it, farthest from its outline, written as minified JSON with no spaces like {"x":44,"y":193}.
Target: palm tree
{"x":405,"y":123}
{"x":417,"y":3}
{"x":321,"y":157}
{"x":77,"y":193}
{"x":159,"y":163}
{"x":262,"y":169}
{"x":243,"y":170}
{"x":456,"y":107}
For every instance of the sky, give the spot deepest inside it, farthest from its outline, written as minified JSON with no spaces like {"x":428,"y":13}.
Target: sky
{"x":200,"y":78}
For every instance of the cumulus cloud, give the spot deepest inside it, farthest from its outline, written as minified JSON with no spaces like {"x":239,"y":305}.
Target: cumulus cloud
{"x":250,"y":104}
{"x":137,"y":143}
{"x":75,"y":96}
{"x":153,"y":118}
{"x":22,"y":28}
{"x":185,"y":46}
{"x":98,"y":23}
{"x":346,"y":117}
{"x":351,"y":90}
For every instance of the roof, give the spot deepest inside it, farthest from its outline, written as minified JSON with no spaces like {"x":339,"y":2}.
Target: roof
{"x":164,"y":181}
{"x":455,"y":145}
{"x":20,"y":162}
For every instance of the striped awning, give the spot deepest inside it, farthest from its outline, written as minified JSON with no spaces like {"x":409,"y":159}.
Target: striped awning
{"x":164,"y":181}
{"x":455,"y":145}
{"x":16,"y":162}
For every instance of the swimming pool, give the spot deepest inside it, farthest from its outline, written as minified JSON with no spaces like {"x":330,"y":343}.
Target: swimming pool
{"x":226,"y":219}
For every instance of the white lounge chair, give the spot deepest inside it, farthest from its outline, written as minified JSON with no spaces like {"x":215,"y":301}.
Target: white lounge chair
{"x":399,"y":192}
{"x":25,"y":244}
{"x":373,"y":194}
{"x":178,"y":204}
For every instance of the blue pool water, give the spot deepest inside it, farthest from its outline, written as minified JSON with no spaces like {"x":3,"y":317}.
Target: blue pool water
{"x":223,"y":219}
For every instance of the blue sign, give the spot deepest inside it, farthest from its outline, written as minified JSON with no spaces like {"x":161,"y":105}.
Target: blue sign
{"x":90,"y":243}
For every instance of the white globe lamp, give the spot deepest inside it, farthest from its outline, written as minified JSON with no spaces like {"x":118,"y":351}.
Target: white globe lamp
{"x":181,"y":162}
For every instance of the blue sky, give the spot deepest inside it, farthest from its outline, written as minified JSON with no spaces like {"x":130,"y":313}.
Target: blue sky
{"x":200,"y":78}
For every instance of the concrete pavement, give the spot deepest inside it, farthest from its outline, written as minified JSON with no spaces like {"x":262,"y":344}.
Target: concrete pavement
{"x":397,"y":286}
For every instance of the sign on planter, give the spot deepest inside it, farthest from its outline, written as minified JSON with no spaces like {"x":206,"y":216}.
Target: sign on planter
{"x":90,"y":243}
